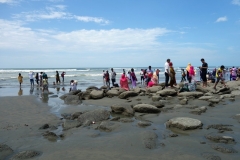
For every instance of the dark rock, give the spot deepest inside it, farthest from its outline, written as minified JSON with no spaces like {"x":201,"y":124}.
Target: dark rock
{"x":5,"y":151}
{"x":220,"y":127}
{"x":146,"y":108}
{"x":158,"y":104}
{"x":115,"y":119}
{"x":112,"y":93}
{"x":96,"y":94}
{"x":68,"y":124}
{"x":173,"y":135}
{"x":184,"y":123}
{"x":122,"y":109}
{"x":223,"y":148}
{"x":66,"y":115}
{"x":107,"y":126}
{"x":167,"y":92}
{"x":72,"y":99}
{"x":219,"y":138}
{"x":75,"y":115}
{"x":144,"y":124}
{"x":125,"y":120}
{"x":210,"y":156}
{"x":92,"y":88}
{"x":94,"y":116}
{"x":127,"y":94}
{"x":154,"y":89}
{"x":45,"y":126}
{"x":26,"y":155}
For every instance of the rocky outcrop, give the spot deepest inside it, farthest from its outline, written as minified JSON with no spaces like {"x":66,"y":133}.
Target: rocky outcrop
{"x":223,"y":148}
{"x":206,"y":97}
{"x":144,"y":124}
{"x":68,"y":124}
{"x":146,"y":108}
{"x":219,"y":138}
{"x":184,"y":123}
{"x":199,"y":110}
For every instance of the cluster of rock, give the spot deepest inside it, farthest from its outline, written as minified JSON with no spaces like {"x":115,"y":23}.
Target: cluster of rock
{"x":103,"y":121}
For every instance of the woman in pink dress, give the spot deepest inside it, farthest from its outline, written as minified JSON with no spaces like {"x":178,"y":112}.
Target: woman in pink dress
{"x":124,"y":82}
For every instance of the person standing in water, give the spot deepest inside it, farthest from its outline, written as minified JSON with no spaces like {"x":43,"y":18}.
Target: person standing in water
{"x":30,"y":75}
{"x":62,"y":75}
{"x":113,"y":76}
{"x":167,"y":72}
{"x":20,"y":79}
{"x":57,"y":78}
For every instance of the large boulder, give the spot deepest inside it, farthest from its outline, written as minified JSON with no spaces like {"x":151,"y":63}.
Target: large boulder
{"x":72,"y":99}
{"x":113,"y":92}
{"x":86,"y":95}
{"x":167,"y":92}
{"x":96,"y":94}
{"x":190,"y":94}
{"x":127,"y":94}
{"x":146,"y":108}
{"x":184,"y":123}
{"x":154,"y":89}
{"x":122,"y":109}
{"x":94,"y":116}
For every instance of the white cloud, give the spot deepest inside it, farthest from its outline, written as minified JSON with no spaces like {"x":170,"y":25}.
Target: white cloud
{"x":10,"y":2}
{"x":126,"y":47}
{"x":222,"y":19}
{"x":57,"y":12}
{"x":236,"y":2}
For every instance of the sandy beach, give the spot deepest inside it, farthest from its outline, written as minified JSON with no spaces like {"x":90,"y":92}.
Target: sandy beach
{"x":54,"y":129}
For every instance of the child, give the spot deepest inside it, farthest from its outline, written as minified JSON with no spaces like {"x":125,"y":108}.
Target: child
{"x":219,"y":76}
{"x":20,"y":79}
{"x":183,"y":76}
{"x":45,"y":85}
{"x":183,"y":87}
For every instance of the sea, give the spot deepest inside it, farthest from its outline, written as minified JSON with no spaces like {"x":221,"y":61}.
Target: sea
{"x":84,"y":76}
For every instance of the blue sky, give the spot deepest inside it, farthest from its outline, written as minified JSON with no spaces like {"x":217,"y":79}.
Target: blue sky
{"x":118,"y":33}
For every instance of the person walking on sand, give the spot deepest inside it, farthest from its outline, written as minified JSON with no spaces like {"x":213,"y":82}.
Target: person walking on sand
{"x":204,"y":69}
{"x":20,"y":79}
{"x":167,"y":72}
{"x":40,"y":78}
{"x":31,"y":75}
{"x":62,"y":75}
{"x":113,"y":76}
{"x":219,"y":76}
{"x":57,"y":78}
{"x":133,"y":78}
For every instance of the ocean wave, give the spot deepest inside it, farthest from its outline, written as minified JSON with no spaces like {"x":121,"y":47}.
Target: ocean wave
{"x":36,"y":70}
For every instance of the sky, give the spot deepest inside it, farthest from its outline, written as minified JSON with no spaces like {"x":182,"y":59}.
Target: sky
{"x":118,"y":33}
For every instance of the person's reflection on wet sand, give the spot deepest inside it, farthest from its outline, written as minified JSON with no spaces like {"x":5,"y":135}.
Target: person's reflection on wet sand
{"x":63,"y":89}
{"x":58,"y":89}
{"x":20,"y":92}
{"x":31,"y":90}
{"x":45,"y":97}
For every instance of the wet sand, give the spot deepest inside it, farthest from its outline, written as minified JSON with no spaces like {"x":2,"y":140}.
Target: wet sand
{"x":21,"y":117}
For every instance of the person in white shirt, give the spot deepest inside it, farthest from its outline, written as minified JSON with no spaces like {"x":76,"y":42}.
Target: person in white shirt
{"x":113,"y":76}
{"x":31,"y":77}
{"x":167,"y":72}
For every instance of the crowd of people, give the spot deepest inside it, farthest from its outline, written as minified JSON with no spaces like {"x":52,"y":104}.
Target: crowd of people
{"x":148,"y":77}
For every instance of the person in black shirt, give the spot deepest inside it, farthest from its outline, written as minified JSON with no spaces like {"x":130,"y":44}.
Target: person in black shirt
{"x":204,"y":72}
